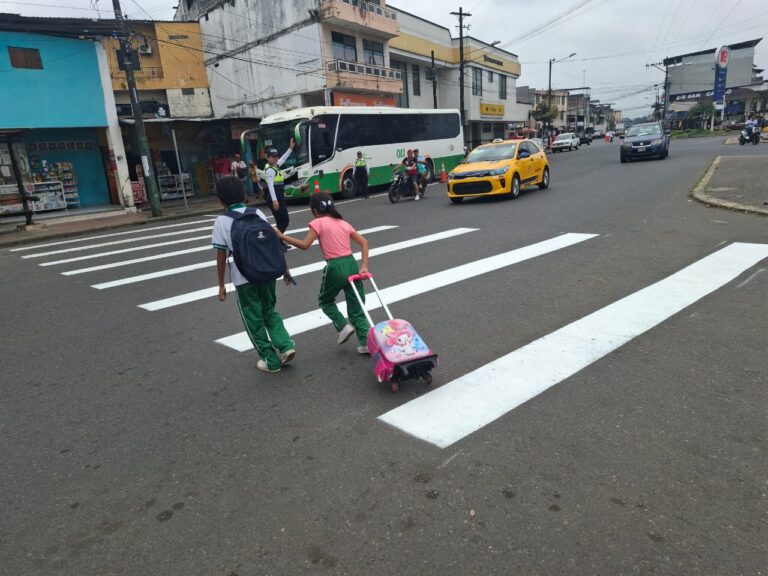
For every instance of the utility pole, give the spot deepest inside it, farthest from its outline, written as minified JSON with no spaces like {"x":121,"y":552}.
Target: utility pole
{"x":434,"y":81}
{"x":549,"y":98}
{"x":141,"y":134}
{"x":658,"y":65}
{"x":461,"y":14}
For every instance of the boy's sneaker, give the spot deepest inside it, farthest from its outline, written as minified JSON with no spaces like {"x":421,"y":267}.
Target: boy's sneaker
{"x":287,"y":356}
{"x":261,"y":365}
{"x":417,"y":197}
{"x":363,"y":350}
{"x":345,"y":333}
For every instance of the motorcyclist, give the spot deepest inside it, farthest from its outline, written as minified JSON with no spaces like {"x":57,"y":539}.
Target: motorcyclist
{"x":751,"y":125}
{"x":421,"y":165}
{"x":410,"y":164}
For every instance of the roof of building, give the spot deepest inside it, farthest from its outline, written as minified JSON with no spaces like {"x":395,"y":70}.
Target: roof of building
{"x":739,"y":46}
{"x":68,"y":27}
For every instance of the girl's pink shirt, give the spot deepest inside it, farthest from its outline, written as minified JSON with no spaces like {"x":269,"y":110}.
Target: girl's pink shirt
{"x":333,"y":235}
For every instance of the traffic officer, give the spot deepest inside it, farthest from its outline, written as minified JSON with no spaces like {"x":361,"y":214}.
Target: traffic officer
{"x":361,"y":176}
{"x":276,"y":185}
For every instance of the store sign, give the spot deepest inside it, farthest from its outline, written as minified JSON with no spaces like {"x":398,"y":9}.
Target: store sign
{"x":491,"y":109}
{"x":697,"y":95}
{"x":493,"y":61}
{"x":352,"y":99}
{"x":722,"y":57}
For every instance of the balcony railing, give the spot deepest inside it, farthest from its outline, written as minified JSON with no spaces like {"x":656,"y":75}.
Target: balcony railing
{"x":143,"y":73}
{"x":363,"y":69}
{"x":373,"y":8}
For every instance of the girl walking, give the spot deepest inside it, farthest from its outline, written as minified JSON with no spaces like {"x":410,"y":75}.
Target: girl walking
{"x":334,"y":234}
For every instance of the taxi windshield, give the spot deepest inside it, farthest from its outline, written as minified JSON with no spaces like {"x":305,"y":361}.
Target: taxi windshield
{"x":492,"y":153}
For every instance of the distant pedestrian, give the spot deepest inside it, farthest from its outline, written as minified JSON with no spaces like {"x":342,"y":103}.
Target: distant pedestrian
{"x":255,"y":176}
{"x":276,"y":184}
{"x":256,"y":300}
{"x":361,"y":174}
{"x":238,"y":168}
{"x":334,"y":234}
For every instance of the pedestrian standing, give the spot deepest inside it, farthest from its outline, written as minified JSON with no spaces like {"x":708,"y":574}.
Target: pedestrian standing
{"x":256,"y":300}
{"x":334,"y":234}
{"x":276,"y":184}
{"x":253,"y":174}
{"x":238,"y":168}
{"x":361,"y":176}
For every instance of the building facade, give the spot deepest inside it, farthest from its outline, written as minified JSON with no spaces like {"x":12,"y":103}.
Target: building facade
{"x":59,"y":135}
{"x":266,"y":57}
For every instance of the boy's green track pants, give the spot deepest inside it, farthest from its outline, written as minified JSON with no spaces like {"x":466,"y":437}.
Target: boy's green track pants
{"x":335,"y":275}
{"x":263,"y":324}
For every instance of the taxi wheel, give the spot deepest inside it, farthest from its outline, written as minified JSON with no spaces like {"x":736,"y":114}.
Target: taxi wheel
{"x":544,"y":179}
{"x":457,"y":200}
{"x":515,"y":191}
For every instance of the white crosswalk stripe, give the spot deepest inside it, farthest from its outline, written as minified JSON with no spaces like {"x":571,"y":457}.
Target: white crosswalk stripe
{"x":459,"y":408}
{"x":126,"y":250}
{"x":116,"y":242}
{"x":300,"y":271}
{"x":207,"y":264}
{"x":110,"y":235}
{"x":316,"y":318}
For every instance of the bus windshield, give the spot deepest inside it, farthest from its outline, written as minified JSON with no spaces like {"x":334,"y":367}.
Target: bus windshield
{"x":279,"y":135}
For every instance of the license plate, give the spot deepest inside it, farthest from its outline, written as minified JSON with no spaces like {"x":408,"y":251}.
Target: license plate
{"x":641,"y":149}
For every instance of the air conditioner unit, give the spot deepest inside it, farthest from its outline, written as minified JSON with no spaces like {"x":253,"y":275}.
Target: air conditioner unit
{"x":145,"y":49}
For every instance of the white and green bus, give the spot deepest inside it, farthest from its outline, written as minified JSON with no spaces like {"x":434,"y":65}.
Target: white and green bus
{"x":328,"y":139}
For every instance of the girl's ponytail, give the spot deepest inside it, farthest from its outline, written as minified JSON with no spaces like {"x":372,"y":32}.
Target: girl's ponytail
{"x":322,"y":203}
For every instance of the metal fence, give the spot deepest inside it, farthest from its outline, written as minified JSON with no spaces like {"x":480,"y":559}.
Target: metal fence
{"x":363,"y":69}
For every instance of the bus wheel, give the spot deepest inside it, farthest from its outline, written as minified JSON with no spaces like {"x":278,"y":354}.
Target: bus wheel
{"x":430,"y":170}
{"x":347,"y":186}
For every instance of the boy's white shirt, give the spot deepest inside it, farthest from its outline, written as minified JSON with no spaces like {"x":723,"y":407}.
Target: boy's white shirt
{"x":222,"y":240}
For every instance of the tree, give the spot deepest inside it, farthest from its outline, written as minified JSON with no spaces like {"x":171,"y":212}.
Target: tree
{"x":657,"y":106}
{"x":544,"y":112}
{"x":701,"y":112}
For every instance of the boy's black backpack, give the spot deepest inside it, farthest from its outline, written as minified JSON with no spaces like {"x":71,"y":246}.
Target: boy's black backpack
{"x":241,"y":172}
{"x":257,"y":252}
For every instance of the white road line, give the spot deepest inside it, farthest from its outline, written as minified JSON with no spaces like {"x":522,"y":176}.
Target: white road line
{"x":314,"y":319}
{"x":150,"y":258}
{"x":309,"y":268}
{"x":126,"y":250}
{"x":100,"y":236}
{"x":459,"y":408}
{"x":117,"y":242}
{"x":207,"y":264}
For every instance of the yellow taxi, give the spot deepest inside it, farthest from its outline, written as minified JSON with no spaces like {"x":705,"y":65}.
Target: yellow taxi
{"x":503,"y":167}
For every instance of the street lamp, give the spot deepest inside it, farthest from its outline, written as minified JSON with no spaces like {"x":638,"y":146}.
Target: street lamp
{"x":549,"y":90}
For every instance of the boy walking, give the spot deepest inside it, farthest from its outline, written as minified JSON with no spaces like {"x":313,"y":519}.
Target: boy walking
{"x":256,"y":300}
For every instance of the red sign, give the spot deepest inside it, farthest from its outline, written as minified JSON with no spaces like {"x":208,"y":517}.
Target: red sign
{"x":352,"y":99}
{"x":723,"y":56}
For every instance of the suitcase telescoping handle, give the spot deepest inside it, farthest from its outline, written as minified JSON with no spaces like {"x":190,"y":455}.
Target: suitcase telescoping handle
{"x":368,"y":276}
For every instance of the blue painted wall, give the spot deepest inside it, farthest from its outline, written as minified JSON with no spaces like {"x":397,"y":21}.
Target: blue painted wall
{"x":66,"y":93}
{"x":87,"y":163}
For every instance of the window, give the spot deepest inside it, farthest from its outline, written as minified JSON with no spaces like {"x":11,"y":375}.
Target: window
{"x":344,"y":47}
{"x":188,"y":91}
{"x":322,"y":133}
{"x":416,"y":80}
{"x":490,"y":77}
{"x":401,"y":100}
{"x":25,"y":58}
{"x":477,"y":82}
{"x":373,"y":52}
{"x":502,"y":87}
{"x":358,"y":130}
{"x":429,"y":74}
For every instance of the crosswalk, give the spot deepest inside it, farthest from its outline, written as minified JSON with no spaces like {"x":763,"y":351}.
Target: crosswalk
{"x":453,"y":410}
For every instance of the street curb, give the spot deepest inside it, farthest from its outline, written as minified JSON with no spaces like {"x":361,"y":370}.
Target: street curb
{"x":5,"y":243}
{"x":698,"y":193}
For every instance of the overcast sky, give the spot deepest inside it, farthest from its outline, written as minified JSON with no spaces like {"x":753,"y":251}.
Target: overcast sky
{"x":613,"y":39}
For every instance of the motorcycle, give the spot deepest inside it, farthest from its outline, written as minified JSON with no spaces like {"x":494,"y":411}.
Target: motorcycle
{"x":751,"y":135}
{"x":401,"y":187}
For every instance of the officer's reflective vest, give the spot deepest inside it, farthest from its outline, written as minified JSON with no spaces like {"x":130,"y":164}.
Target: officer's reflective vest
{"x":279,"y":179}
{"x":360,"y":168}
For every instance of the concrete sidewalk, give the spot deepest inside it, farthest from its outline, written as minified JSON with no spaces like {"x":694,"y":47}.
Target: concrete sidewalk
{"x":736,"y":183}
{"x":55,"y":226}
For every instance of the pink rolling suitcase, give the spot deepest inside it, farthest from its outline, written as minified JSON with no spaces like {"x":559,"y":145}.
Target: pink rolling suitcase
{"x":397,"y":351}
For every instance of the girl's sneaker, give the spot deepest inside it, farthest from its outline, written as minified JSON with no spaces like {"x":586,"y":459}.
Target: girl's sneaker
{"x":363,"y":350}
{"x":345,"y":333}
{"x":261,"y":365}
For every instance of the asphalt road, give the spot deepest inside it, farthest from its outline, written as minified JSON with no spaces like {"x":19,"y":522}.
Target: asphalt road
{"x":134,"y":444}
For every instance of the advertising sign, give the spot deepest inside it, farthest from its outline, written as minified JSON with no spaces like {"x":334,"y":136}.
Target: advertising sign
{"x":722,"y":57}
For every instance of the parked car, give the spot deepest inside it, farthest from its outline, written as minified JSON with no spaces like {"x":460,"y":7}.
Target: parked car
{"x":585,"y":138}
{"x":566,"y":141}
{"x":501,"y":168}
{"x":648,"y":140}
{"x":539,"y":142}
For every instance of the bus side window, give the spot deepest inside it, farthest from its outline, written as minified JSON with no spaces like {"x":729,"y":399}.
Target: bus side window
{"x":322,"y":132}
